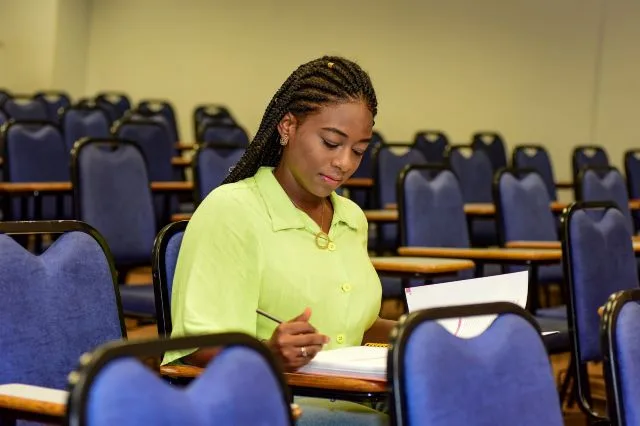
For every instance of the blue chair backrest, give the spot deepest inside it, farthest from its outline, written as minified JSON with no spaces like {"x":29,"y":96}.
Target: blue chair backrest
{"x":620,"y":341}
{"x":493,"y":145}
{"x":230,"y":135}
{"x":588,"y":156}
{"x":206,"y":114}
{"x":474,"y":173}
{"x":522,"y":200}
{"x":84,"y":122}
{"x":112,"y":194}
{"x":55,"y":101}
{"x":432,"y":144}
{"x":115,"y":103}
{"x":165,"y":258}
{"x":537,"y":158}
{"x":241,"y":385}
{"x":66,"y":301}
{"x":36,"y":152}
{"x":155,"y":142}
{"x":431,"y":208}
{"x":165,"y":109}
{"x":212,"y":165}
{"x":599,"y":260}
{"x":3,"y":118}
{"x":387,"y":168}
{"x":431,"y":371}
{"x":605,"y":185}
{"x":26,"y":108}
{"x":4,"y":95}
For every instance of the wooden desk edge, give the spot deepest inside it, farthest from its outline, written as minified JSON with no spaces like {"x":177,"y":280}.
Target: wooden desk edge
{"x":534,"y":244}
{"x":347,"y":384}
{"x":497,"y":254}
{"x":32,"y":406}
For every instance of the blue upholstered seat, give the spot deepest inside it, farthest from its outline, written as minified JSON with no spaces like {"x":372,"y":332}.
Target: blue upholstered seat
{"x":83,"y":122}
{"x":537,"y":158}
{"x":165,"y":109}
{"x":585,"y":156}
{"x":432,"y":144}
{"x":25,"y":108}
{"x":492,"y":144}
{"x":212,"y":164}
{"x":55,"y":101}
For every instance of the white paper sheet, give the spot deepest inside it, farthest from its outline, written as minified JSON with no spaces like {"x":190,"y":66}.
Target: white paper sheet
{"x":498,"y":288}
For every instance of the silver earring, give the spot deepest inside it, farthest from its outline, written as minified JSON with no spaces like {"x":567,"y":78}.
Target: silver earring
{"x":284,"y":140}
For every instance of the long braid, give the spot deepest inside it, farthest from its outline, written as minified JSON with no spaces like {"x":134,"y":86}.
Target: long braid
{"x":323,"y":81}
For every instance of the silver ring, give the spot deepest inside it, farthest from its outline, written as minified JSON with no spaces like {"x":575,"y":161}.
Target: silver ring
{"x":303,"y":352}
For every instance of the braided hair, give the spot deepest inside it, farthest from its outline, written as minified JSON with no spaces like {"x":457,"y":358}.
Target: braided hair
{"x":323,"y":81}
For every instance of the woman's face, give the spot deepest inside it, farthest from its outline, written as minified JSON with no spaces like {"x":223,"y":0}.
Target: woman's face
{"x":326,"y":148}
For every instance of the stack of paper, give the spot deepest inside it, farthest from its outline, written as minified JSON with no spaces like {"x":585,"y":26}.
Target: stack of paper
{"x":361,"y":362}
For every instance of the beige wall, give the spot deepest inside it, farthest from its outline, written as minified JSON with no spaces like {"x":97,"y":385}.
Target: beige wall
{"x":556,"y":72}
{"x":73,"y":18}
{"x":27,"y":37}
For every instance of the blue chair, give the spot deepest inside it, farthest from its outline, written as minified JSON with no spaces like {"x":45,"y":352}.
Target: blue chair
{"x":599,"y":260}
{"x":363,"y":196}
{"x":492,"y":144}
{"x":619,"y":336}
{"x":24,"y":107}
{"x":80,"y":122}
{"x":112,"y":193}
{"x":432,"y":144}
{"x":604,"y":184}
{"x":3,"y":118}
{"x":537,"y":158}
{"x":474,"y":172}
{"x":521,"y":201}
{"x":241,"y":385}
{"x":115,"y":103}
{"x":55,"y":101}
{"x":632,"y":173}
{"x":35,"y":151}
{"x":230,"y":135}
{"x":503,"y":376}
{"x":387,"y":166}
{"x":588,"y":156}
{"x":4,"y":95}
{"x":65,"y":301}
{"x":165,"y":109}
{"x":211,"y":165}
{"x":205,"y":114}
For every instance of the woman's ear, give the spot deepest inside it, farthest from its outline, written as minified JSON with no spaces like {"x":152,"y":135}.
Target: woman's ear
{"x":287,"y":125}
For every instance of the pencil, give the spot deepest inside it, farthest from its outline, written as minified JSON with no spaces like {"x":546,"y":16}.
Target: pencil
{"x":268,"y":315}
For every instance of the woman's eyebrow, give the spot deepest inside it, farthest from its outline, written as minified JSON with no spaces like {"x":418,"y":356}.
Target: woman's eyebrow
{"x":343,"y":134}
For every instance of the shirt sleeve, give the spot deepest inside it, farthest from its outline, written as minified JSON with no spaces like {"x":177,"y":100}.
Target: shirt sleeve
{"x":216,"y":283}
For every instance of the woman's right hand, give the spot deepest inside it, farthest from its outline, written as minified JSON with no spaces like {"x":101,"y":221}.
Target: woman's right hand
{"x":296,"y":342}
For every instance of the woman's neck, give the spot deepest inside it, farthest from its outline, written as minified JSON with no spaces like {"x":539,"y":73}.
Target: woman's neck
{"x":296,"y":192}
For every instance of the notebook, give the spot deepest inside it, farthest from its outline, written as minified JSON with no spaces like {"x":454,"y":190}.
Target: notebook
{"x":360,"y":362}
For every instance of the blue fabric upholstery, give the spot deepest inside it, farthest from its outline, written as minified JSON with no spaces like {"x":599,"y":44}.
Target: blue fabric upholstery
{"x":26,"y":109}
{"x":156,"y":144}
{"x":501,"y":377}
{"x":602,"y":262}
{"x":149,"y":107}
{"x":632,"y":171}
{"x":237,"y":388}
{"x":171,"y":258}
{"x":3,"y":118}
{"x":55,"y":307}
{"x":118,"y":103}
{"x":213,"y":166}
{"x":559,"y":342}
{"x":537,"y":158}
{"x":138,"y":299}
{"x":432,"y":145}
{"x":610,"y":186}
{"x":588,"y":156}
{"x":388,"y":166}
{"x":628,"y":356}
{"x":37,"y":153}
{"x":475,"y":176}
{"x":115,"y":198}
{"x":365,"y":169}
{"x":524,"y":202}
{"x":54,"y":103}
{"x":493,"y":146}
{"x":231,"y":135}
{"x":78,"y":123}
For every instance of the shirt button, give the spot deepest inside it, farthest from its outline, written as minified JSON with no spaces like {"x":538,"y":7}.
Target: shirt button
{"x":340,"y":338}
{"x":346,"y":287}
{"x":332,"y":246}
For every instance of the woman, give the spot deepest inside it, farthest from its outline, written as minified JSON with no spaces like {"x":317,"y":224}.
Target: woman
{"x":277,"y":237}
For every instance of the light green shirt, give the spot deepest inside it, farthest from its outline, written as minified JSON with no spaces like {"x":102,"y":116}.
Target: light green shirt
{"x":247,"y":246}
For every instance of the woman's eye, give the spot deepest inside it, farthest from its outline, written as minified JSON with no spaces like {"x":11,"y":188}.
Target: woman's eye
{"x":329,"y":144}
{"x":358,"y":153}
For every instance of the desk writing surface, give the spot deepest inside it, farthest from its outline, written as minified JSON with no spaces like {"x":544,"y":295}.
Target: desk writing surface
{"x":358,"y":183}
{"x":494,"y":254}
{"x":33,"y":399}
{"x":420,"y":265}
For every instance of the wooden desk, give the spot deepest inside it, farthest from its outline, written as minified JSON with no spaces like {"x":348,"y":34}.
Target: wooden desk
{"x":420,"y":265}
{"x":32,"y":403}
{"x":498,"y":255}
{"x":185,"y":146}
{"x":181,"y":162}
{"x":180,"y":216}
{"x":554,"y":245}
{"x":381,"y":216}
{"x":362,"y":183}
{"x":564,"y":184}
{"x":302,"y":381}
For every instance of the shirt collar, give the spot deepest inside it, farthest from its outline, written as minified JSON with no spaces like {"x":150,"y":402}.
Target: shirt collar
{"x":282,"y":211}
